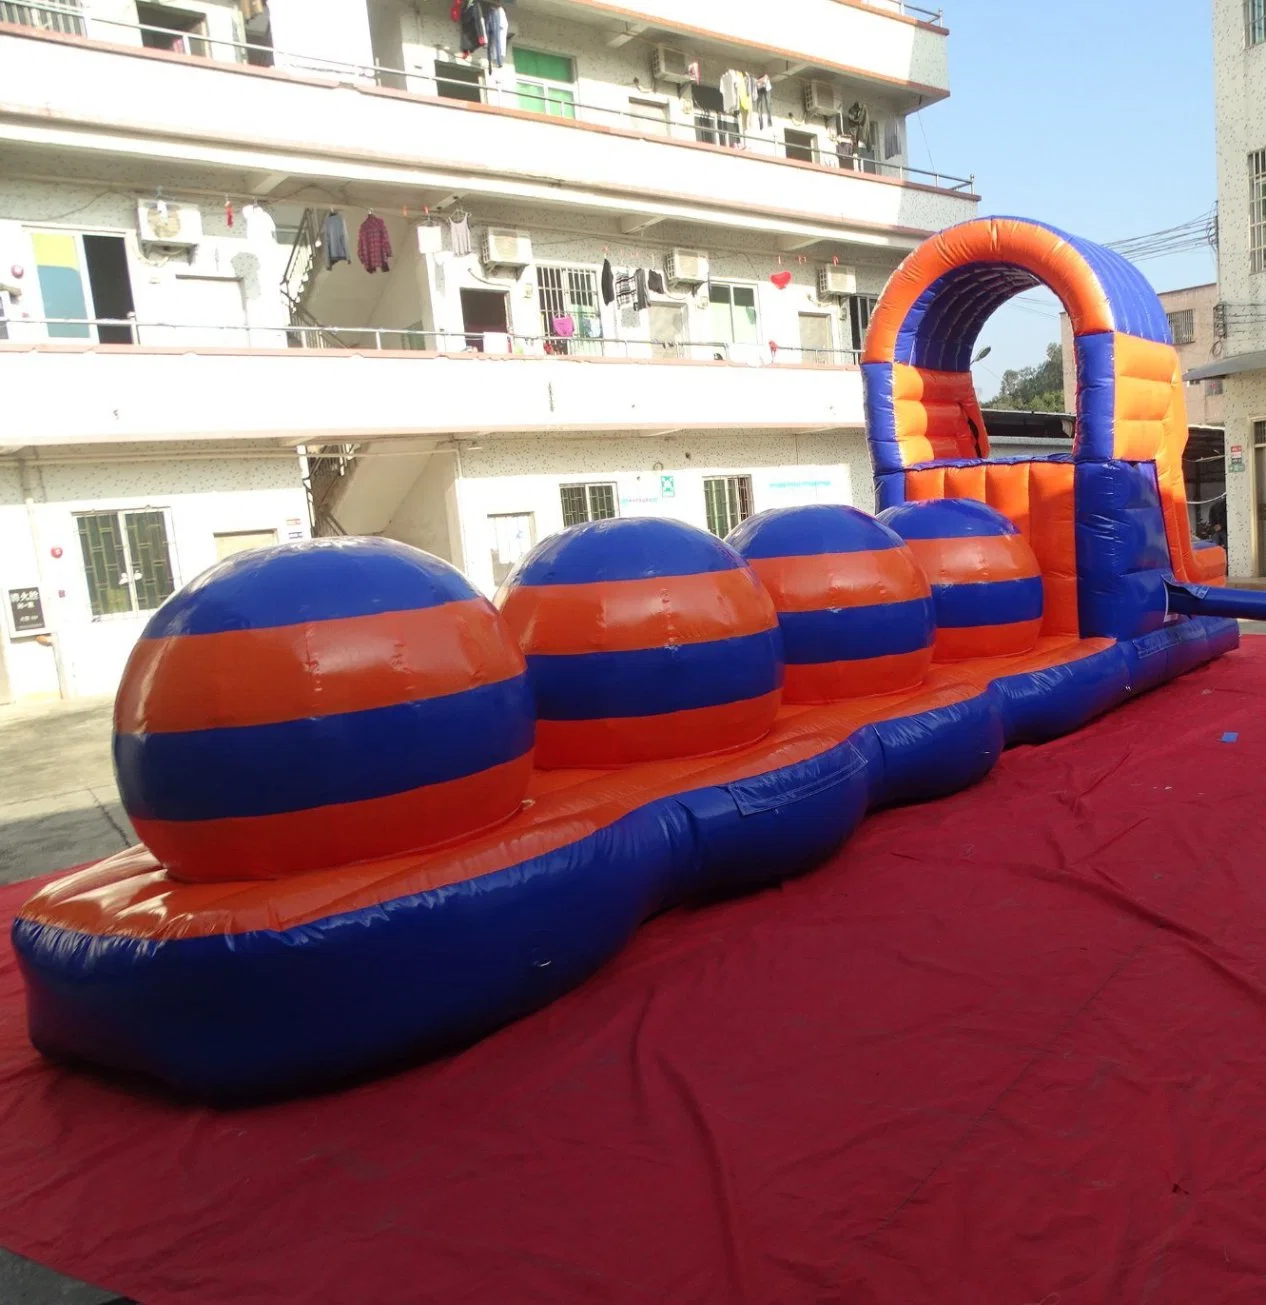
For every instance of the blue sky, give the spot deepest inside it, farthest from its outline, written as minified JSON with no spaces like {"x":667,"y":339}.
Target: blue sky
{"x":1093,"y":115}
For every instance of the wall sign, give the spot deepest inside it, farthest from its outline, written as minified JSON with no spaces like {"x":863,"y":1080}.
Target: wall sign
{"x":1235,"y":460}
{"x":26,"y":611}
{"x":667,"y":487}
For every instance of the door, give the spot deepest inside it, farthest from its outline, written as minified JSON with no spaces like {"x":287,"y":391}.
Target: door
{"x":815,"y":339}
{"x":513,"y":534}
{"x":83,"y":277}
{"x":484,"y":313}
{"x":1259,"y":487}
{"x":457,"y":81}
{"x":668,"y":331}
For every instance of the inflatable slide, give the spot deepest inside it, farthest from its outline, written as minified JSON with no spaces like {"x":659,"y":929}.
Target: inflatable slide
{"x":382,"y":816}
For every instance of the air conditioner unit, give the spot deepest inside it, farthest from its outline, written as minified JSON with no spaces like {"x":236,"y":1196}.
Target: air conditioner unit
{"x":820,"y":100}
{"x":162,"y":223}
{"x":669,"y":65}
{"x":836,"y":282}
{"x":504,"y":248}
{"x":687,"y":266}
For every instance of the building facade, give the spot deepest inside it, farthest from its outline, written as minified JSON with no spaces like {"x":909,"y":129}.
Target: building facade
{"x":1193,"y":320}
{"x":1239,"y":52}
{"x":461,"y":283}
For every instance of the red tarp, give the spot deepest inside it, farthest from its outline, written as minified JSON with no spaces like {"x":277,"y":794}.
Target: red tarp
{"x":1006,"y":1049}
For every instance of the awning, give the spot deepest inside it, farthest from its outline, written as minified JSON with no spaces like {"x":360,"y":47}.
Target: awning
{"x":1243,"y":362}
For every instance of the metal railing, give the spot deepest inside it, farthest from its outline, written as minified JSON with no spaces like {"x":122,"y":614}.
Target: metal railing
{"x":919,"y":14}
{"x":702,"y":128}
{"x":312,"y":334}
{"x":66,"y":18}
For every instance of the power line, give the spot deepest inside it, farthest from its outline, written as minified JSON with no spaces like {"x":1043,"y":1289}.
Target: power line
{"x":1196,"y":233}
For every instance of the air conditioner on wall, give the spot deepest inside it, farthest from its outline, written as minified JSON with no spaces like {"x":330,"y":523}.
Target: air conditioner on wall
{"x":504,"y":248}
{"x":836,"y":282}
{"x":169,"y":224}
{"x":669,"y":65}
{"x":820,"y":100}
{"x":687,"y":266}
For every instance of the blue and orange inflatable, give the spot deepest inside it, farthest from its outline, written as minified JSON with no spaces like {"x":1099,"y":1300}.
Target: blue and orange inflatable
{"x":383,"y":816}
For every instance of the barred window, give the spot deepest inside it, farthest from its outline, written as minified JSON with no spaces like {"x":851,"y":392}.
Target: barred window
{"x":1254,"y":22}
{"x":127,"y":562}
{"x":587,"y":503}
{"x":1182,"y":325}
{"x":728,"y":500}
{"x":1257,"y":209}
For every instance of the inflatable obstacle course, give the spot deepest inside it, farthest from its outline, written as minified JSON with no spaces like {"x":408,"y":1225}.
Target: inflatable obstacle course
{"x":384,"y":817}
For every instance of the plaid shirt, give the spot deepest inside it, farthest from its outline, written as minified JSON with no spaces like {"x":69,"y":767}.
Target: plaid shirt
{"x":373,"y":248}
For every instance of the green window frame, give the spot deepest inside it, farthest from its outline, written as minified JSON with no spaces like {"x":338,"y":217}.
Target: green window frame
{"x":127,"y":560}
{"x":546,"y":83}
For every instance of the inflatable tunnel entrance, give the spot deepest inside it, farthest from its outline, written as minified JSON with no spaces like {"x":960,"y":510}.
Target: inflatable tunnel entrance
{"x":1109,"y":523}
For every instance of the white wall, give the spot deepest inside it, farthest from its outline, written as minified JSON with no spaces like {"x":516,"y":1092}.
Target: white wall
{"x":306,"y":32}
{"x":230,"y":280}
{"x":524,"y":475}
{"x":1245,"y":403}
{"x":201,"y":496}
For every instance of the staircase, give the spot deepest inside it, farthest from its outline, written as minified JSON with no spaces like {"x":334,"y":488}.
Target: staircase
{"x":301,"y":268}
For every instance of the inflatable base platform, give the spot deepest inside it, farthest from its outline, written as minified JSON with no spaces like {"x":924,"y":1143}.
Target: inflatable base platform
{"x":233,"y":990}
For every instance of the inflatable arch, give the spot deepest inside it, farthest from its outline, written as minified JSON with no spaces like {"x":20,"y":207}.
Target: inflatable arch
{"x":1109,"y":523}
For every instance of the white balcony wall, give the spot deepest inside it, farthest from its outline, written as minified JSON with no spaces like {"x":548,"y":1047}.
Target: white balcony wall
{"x":75,"y":96}
{"x":307,"y":33}
{"x":117,"y":392}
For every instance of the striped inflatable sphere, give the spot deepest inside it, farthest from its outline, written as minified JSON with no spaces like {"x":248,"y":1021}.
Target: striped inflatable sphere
{"x":854,"y":607}
{"x":986,"y":582}
{"x":324,"y":702}
{"x":645,"y":639}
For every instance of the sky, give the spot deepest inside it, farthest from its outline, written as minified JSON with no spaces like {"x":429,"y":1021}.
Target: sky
{"x":1093,"y":115}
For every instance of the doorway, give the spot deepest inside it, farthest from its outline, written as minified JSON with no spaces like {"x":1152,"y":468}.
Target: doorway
{"x":1259,"y":491}
{"x":177,"y":30}
{"x":83,"y":278}
{"x":485,"y":313}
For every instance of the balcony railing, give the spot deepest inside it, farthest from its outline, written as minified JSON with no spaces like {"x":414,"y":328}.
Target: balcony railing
{"x":703,"y":128}
{"x":91,"y":331}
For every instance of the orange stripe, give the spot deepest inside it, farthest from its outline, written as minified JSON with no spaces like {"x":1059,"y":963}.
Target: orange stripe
{"x":810,"y":584}
{"x":259,"y":677}
{"x":129,"y":896}
{"x":628,"y":615}
{"x":989,"y":240}
{"x":975,"y":559}
{"x":832,"y":681}
{"x":968,"y":642}
{"x":626,"y":740}
{"x":270,"y":847}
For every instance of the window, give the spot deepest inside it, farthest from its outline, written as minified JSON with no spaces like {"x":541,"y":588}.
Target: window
{"x":668,"y":330}
{"x":513,"y":534}
{"x":179,"y":29}
{"x":126,"y":560}
{"x":728,"y":500}
{"x":1213,"y":388}
{"x":857,"y":311}
{"x":84,"y":279}
{"x":546,"y":83}
{"x":1183,"y":325}
{"x":587,"y":503}
{"x":1254,"y":22}
{"x":733,"y":313}
{"x":650,"y":116}
{"x":1257,"y":209}
{"x":52,"y":20}
{"x":815,"y":339}
{"x":457,"y":81}
{"x":801,"y":145}
{"x":570,"y":292}
{"x":240,"y":541}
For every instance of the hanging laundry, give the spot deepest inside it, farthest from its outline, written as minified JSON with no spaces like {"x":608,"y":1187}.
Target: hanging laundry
{"x":641,"y":301}
{"x":430,"y":238}
{"x":459,"y":234}
{"x":730,"y":91}
{"x":893,"y":144}
{"x":655,"y":282}
{"x":498,"y":25}
{"x":373,"y":246}
{"x":564,"y":327}
{"x":764,"y":101}
{"x":334,"y":238}
{"x":608,"y":282}
{"x":474,"y":35}
{"x":260,"y":227}
{"x":591,"y":328}
{"x":744,"y":99}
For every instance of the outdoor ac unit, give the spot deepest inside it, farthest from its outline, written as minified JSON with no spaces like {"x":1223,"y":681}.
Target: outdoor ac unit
{"x":687,"y":266}
{"x":669,"y":65}
{"x":169,"y":224}
{"x":820,"y":100}
{"x":507,"y":248}
{"x":836,"y":282}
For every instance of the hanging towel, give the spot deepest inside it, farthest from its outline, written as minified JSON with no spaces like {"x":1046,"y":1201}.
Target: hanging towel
{"x":373,"y":247}
{"x":730,"y":92}
{"x":334,"y":237}
{"x":608,"y":282}
{"x":591,"y":328}
{"x":640,"y":300}
{"x":459,"y":234}
{"x":498,"y":25}
{"x":564,"y":327}
{"x":655,"y":282}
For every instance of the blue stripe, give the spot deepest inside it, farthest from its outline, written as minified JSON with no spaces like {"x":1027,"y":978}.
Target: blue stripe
{"x":990,"y":602}
{"x":654,"y":681}
{"x":1096,"y":395}
{"x":810,"y":530}
{"x":947,"y":518}
{"x":857,"y":633}
{"x":628,"y":548}
{"x":264,"y":770}
{"x":881,"y":417}
{"x":316,"y":580}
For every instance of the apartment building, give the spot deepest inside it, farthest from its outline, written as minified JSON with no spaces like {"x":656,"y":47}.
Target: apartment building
{"x":1239,"y":53}
{"x":355,"y":266}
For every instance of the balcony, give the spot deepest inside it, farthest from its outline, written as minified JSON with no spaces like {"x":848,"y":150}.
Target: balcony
{"x":318,"y":391}
{"x":302,"y":129}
